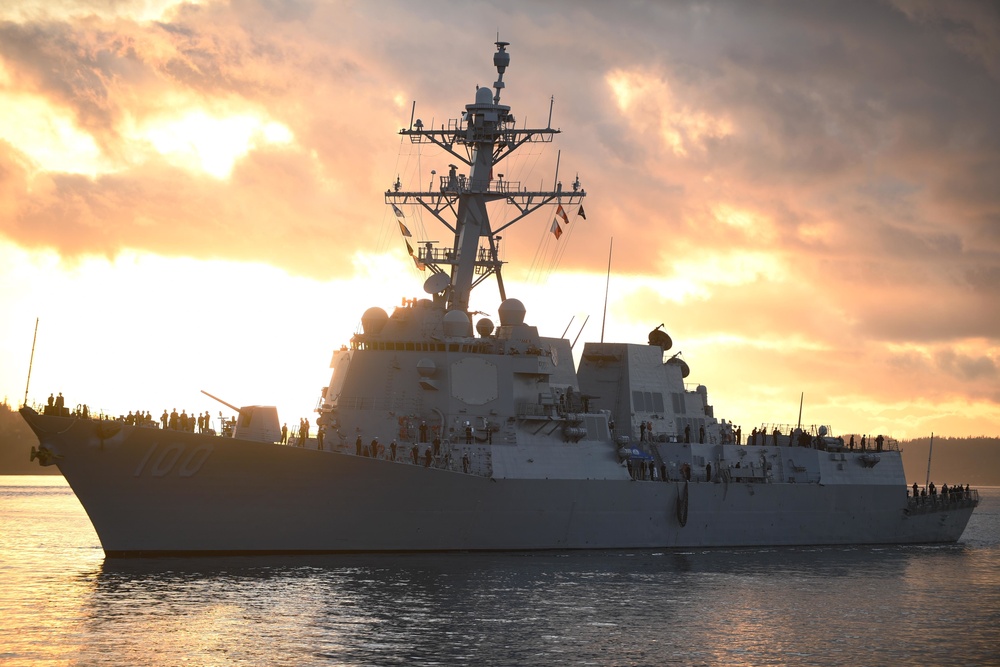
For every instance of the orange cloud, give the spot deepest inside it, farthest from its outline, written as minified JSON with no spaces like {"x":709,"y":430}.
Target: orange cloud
{"x":799,"y":193}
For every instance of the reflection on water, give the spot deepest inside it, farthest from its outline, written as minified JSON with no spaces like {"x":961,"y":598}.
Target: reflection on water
{"x":888,"y":605}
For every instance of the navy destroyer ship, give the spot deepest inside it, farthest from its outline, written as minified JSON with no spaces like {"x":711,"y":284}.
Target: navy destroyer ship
{"x":441,"y":430}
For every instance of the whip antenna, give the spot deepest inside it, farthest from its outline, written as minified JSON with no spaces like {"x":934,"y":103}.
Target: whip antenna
{"x":31,"y":363}
{"x":606,"y":283}
{"x":930,"y":450}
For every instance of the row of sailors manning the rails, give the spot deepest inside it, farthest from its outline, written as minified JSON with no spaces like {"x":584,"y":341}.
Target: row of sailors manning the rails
{"x":174,"y":421}
{"x":929,"y":493}
{"x":734,"y":436}
{"x":642,"y":470}
{"x":646,"y":470}
{"x":201,"y":423}
{"x":431,"y":455}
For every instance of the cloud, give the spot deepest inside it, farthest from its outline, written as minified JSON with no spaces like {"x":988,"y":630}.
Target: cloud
{"x":789,"y":176}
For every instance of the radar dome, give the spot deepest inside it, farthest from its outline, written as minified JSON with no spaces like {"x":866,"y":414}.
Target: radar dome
{"x":484,"y":327}
{"x":511,"y":313}
{"x":456,"y":323}
{"x":484,"y":95}
{"x":822,"y":431}
{"x":373,"y":320}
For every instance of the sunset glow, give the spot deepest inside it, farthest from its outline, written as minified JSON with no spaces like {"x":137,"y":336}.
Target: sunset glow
{"x":201,"y":142}
{"x":191,"y":195}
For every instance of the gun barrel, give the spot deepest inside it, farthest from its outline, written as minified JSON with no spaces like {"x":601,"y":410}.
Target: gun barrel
{"x":228,"y":405}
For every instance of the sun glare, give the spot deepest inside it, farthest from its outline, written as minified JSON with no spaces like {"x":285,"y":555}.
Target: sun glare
{"x":186,"y":329}
{"x":48,"y":136}
{"x":200,"y":142}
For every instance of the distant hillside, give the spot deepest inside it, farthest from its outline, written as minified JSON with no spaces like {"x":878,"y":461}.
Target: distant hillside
{"x":974,"y":461}
{"x":16,"y":441}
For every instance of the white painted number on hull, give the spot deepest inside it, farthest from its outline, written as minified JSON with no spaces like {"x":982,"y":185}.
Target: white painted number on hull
{"x":161,"y":462}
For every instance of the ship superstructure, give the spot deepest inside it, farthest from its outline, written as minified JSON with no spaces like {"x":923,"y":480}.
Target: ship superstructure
{"x":443,"y":431}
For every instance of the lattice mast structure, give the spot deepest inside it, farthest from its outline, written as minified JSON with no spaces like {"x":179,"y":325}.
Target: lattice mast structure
{"x":480,"y":139}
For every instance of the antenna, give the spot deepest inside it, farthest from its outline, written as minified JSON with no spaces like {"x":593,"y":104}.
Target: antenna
{"x":413,"y":111}
{"x":607,"y":282}
{"x":579,"y":332}
{"x":555,"y":181}
{"x":802,"y":397}
{"x":552,"y":101}
{"x":930,"y":450}
{"x":568,"y":326}
{"x":31,"y":363}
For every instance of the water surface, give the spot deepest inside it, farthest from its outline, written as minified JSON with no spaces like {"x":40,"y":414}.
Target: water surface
{"x":62,"y":603}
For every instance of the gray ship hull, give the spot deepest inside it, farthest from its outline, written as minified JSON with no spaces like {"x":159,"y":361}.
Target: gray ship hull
{"x":150,"y":492}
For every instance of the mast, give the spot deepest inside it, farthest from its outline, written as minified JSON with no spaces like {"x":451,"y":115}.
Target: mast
{"x":483,"y":137}
{"x":31,"y":362}
{"x":607,"y":284}
{"x":930,"y":450}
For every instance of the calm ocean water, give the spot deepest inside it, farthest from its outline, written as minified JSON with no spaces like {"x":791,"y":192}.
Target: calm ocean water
{"x":61,"y":603}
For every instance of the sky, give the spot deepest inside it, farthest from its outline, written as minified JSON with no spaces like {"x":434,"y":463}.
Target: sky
{"x":806,"y":195}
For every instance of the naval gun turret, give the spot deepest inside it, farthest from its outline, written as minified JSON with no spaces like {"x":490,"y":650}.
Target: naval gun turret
{"x":253,"y":422}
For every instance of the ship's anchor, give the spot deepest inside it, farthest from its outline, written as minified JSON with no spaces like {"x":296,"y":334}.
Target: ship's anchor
{"x":107,"y":430}
{"x":682,"y":505}
{"x":45,"y":456}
